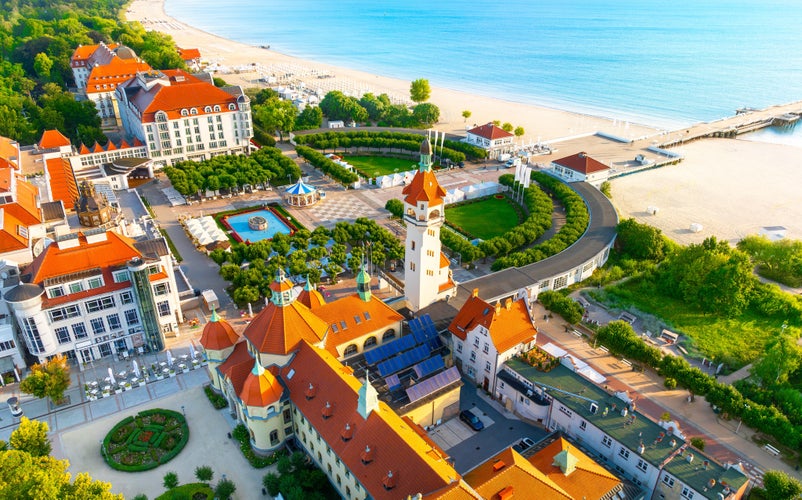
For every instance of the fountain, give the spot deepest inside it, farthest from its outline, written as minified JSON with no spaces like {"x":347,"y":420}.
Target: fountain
{"x":257,"y":223}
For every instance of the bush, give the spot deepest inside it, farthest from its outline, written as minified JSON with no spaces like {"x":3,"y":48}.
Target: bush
{"x":325,"y":165}
{"x":170,"y":480}
{"x":242,"y":435}
{"x":670,"y":383}
{"x":204,"y":473}
{"x":395,"y":207}
{"x":698,"y":443}
{"x":218,"y":400}
{"x":402,"y":141}
{"x":154,"y":437}
{"x":569,"y":309}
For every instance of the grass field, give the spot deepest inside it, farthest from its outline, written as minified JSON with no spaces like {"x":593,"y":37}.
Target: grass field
{"x":376,"y":166}
{"x":735,"y":341}
{"x":485,"y":218}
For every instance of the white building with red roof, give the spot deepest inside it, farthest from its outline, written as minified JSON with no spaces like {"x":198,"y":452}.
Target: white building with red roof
{"x":427,"y":276}
{"x":181,"y":117}
{"x":20,"y":213}
{"x":580,"y":167}
{"x":494,"y":139}
{"x":94,"y":294}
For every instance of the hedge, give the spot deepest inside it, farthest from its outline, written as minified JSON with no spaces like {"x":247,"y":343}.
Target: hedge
{"x":242,"y":435}
{"x":218,"y":401}
{"x":319,"y":161}
{"x":566,"y":307}
{"x":454,"y":151}
{"x":263,"y":138}
{"x":577,"y":218}
{"x":123,"y":438}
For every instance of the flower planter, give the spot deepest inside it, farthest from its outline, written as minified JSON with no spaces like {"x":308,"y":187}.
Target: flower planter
{"x":172,"y":373}
{"x":159,"y":377}
{"x":118,"y":391}
{"x":127,"y":387}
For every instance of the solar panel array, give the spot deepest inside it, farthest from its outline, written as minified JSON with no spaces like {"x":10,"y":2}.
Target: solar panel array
{"x":432,"y":384}
{"x":423,"y":328}
{"x":392,"y":382}
{"x":428,"y":366}
{"x":403,"y":360}
{"x":384,"y":351}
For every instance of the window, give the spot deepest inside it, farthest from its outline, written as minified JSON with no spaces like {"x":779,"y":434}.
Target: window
{"x":287,"y":416}
{"x":95,"y":282}
{"x":388,"y":335}
{"x":459,"y":346}
{"x":642,"y":465}
{"x":63,"y":335}
{"x":131,"y":317}
{"x":126,"y":298}
{"x":411,"y":266}
{"x":668,"y":481}
{"x":120,"y":276}
{"x":687,"y":493}
{"x":97,"y":325}
{"x":114,"y":321}
{"x":583,"y":425}
{"x":566,"y":411}
{"x":79,"y":331}
{"x":623,"y":453}
{"x":486,"y":348}
{"x":351,"y":349}
{"x":164,"y":308}
{"x":488,"y":366}
{"x":161,"y":289}
{"x":64,"y":313}
{"x":56,"y":291}
{"x":76,"y":287}
{"x":413,"y":245}
{"x":99,"y":304}
{"x":8,"y":344}
{"x":606,"y":441}
{"x":274,"y":438}
{"x":369,"y":342}
{"x":476,"y":341}
{"x":473,"y":355}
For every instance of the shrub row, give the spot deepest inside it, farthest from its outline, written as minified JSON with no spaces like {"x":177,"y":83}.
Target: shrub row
{"x":577,"y":218}
{"x":319,"y":161}
{"x":242,"y":435}
{"x":619,"y":337}
{"x":384,"y":140}
{"x":458,"y":244}
{"x":566,"y":307}
{"x":217,"y":400}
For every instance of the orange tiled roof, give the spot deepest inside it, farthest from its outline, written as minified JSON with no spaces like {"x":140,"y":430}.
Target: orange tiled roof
{"x":84,"y":150}
{"x":444,"y":260}
{"x":237,"y":366}
{"x":588,"y":480}
{"x":424,"y":187}
{"x":86,"y":51}
{"x":279,"y":330}
{"x":394,"y":445}
{"x":582,"y":163}
{"x":9,"y":151}
{"x":509,"y":326}
{"x":10,"y":239}
{"x":490,"y":132}
{"x":458,"y":490}
{"x":26,"y":209}
{"x":53,"y":139}
{"x":62,"y":181}
{"x":105,"y":78}
{"x":511,"y":472}
{"x":6,"y":178}
{"x":218,"y":334}
{"x":261,"y":388}
{"x":347,"y":309}
{"x":311,"y":298}
{"x":189,"y":54}
{"x":54,"y":261}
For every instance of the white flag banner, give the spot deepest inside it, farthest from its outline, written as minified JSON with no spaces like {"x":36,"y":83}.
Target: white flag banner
{"x":518,"y":173}
{"x":527,"y":176}
{"x":442,"y":142}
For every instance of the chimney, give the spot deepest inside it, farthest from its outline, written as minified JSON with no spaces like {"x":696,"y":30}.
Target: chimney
{"x":328,"y":411}
{"x":367,"y":455}
{"x":498,"y":306}
{"x":498,"y":465}
{"x":641,"y":449}
{"x":689,"y":458}
{"x":508,"y":304}
{"x":475,"y":292}
{"x":310,"y":392}
{"x":506,"y":493}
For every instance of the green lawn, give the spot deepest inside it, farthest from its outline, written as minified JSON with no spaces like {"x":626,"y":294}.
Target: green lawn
{"x":376,"y":166}
{"x":735,"y":341}
{"x":485,"y":219}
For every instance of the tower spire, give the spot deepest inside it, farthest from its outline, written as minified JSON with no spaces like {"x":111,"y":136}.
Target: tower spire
{"x":425,"y":164}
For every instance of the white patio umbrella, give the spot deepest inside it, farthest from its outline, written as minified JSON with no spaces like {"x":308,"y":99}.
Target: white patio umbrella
{"x":112,"y":380}
{"x":169,"y":358}
{"x":137,"y":373}
{"x":192,"y":350}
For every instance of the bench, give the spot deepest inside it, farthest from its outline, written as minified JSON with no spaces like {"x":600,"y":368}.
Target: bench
{"x":626,"y":362}
{"x":771,"y":450}
{"x":603,"y":349}
{"x":576,"y":333}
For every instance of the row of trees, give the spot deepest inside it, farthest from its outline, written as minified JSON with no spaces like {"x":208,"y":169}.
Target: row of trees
{"x":273,"y":115}
{"x":36,"y":43}
{"x":621,"y":339}
{"x":386,"y":140}
{"x":380,"y":110}
{"x":325,"y":165}
{"x":571,"y":310}
{"x":776,"y":260}
{"x":577,"y":219}
{"x":228,"y":171}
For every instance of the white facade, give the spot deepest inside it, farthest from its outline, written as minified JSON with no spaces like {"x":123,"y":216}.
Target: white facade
{"x":190,"y":120}
{"x":11,"y":359}
{"x":492,"y":138}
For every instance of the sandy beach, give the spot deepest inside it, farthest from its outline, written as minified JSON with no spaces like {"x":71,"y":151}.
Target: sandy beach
{"x":539,"y":122}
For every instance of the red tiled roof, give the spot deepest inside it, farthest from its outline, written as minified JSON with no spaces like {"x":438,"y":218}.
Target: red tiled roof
{"x":189,"y":54}
{"x":84,"y":150}
{"x":84,"y":52}
{"x":509,"y":326}
{"x":237,"y":366}
{"x":25,"y":209}
{"x":9,"y":151}
{"x":115,"y":250}
{"x":507,"y":473}
{"x":279,"y":330}
{"x":311,"y":298}
{"x":62,"y":181}
{"x":395,"y":445}
{"x":490,"y":132}
{"x":6,"y":177}
{"x":346,"y":309}
{"x":582,"y":163}
{"x":218,"y":335}
{"x":588,"y":479}
{"x":261,"y":388}
{"x":53,"y":139}
{"x":424,"y":187}
{"x":105,"y":78}
{"x":10,"y":239}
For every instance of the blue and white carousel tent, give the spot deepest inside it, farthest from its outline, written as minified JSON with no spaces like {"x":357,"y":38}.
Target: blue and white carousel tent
{"x":301,"y":194}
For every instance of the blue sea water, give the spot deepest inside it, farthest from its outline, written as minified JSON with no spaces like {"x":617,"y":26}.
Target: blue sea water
{"x":654,"y":62}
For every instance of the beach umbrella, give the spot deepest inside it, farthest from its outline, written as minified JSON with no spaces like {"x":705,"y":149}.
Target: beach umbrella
{"x":136,"y":369}
{"x":169,"y":358}
{"x":112,"y":380}
{"x":192,"y":350}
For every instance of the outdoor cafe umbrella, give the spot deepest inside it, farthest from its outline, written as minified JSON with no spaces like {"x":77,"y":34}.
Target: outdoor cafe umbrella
{"x":192,"y":350}
{"x":112,"y":380}
{"x":169,"y":358}
{"x":136,"y":370}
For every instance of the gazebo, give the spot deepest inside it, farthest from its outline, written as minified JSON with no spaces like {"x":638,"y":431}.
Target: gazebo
{"x":301,"y":194}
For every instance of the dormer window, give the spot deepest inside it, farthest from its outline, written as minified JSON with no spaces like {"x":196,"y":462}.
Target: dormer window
{"x":207,"y":109}
{"x":232,"y":107}
{"x":193,"y":111}
{"x":366,"y":456}
{"x":217,"y":108}
{"x":310,"y":392}
{"x":184,"y":112}
{"x":389,"y":481}
{"x":328,"y":411}
{"x":348,"y":433}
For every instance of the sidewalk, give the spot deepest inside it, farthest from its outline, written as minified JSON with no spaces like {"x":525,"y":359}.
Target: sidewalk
{"x":696,"y":419}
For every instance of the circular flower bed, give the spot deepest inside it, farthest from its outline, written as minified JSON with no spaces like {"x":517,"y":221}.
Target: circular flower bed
{"x":151,"y":438}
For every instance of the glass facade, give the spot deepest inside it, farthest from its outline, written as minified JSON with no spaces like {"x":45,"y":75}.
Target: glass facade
{"x":140,"y":277}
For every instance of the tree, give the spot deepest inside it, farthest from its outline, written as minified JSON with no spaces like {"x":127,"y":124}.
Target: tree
{"x":276,"y":115}
{"x":780,"y":486}
{"x":204,"y":473}
{"x":519,"y":131}
{"x":219,"y":82}
{"x":782,"y":358}
{"x":419,"y":90}
{"x":42,"y":64}
{"x":26,"y":477}
{"x":466,"y":114}
{"x":640,"y":241}
{"x":224,"y":489}
{"x":374,"y":106}
{"x":338,"y":106}
{"x":310,"y":118}
{"x":31,"y":437}
{"x":395,"y":207}
{"x":170,"y":480}
{"x":49,"y":380}
{"x":426,"y":114}
{"x":606,"y":189}
{"x":698,"y":443}
{"x":507,"y":127}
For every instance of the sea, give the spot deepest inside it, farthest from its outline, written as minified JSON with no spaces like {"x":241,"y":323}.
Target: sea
{"x":665,"y":64}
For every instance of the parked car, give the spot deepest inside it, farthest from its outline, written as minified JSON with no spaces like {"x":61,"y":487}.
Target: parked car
{"x":472,"y":420}
{"x":523,"y":445}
